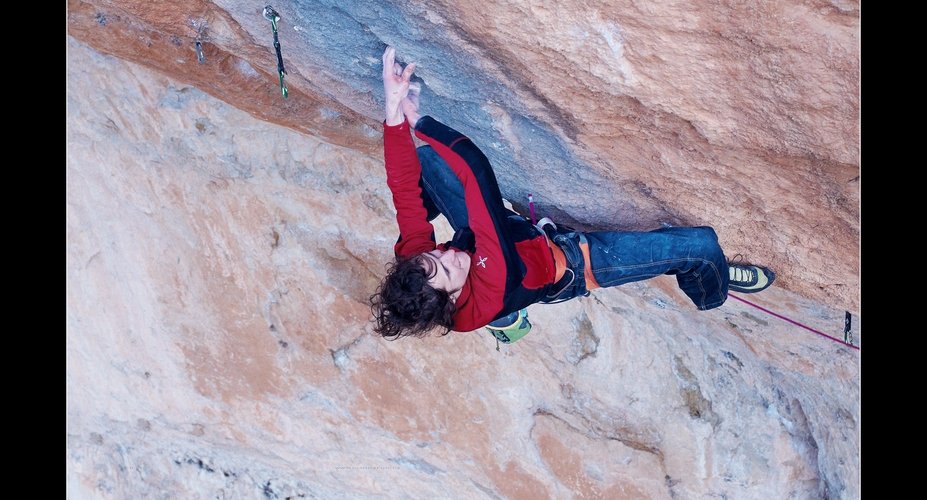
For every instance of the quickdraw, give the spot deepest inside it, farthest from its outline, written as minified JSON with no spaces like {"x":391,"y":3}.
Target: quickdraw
{"x":271,"y":15}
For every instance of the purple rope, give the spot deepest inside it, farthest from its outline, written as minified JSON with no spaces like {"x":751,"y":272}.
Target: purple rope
{"x":761,"y":308}
{"x":534,"y":219}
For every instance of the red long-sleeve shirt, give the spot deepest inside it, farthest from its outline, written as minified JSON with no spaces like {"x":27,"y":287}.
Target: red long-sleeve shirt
{"x":511,"y":266}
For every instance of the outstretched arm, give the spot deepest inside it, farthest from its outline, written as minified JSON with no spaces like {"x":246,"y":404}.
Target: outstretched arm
{"x":403,"y":170}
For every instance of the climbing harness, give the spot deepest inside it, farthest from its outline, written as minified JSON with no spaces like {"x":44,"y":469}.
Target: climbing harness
{"x":796,"y":323}
{"x":271,"y":15}
{"x":560,"y":262}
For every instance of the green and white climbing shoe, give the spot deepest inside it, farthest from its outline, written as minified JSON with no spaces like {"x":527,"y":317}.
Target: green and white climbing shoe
{"x":746,"y":278}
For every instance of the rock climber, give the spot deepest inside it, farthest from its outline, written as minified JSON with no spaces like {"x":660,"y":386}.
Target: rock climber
{"x":498,"y":262}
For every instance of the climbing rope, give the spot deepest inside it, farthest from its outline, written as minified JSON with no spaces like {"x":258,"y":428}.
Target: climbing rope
{"x":534,"y":218}
{"x":796,"y":323}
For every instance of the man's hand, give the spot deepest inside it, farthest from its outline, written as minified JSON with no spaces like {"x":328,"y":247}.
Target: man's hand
{"x":395,"y":85}
{"x":409,"y":105}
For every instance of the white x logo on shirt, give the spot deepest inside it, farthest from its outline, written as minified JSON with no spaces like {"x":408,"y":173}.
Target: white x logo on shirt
{"x":482,"y":262}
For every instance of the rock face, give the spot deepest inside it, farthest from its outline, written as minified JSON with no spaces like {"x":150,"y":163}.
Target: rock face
{"x":222,"y":243}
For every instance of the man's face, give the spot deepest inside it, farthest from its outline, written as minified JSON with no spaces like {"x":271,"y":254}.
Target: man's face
{"x":450,"y":269}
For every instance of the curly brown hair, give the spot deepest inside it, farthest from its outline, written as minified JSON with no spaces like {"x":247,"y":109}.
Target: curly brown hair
{"x":406,"y":305}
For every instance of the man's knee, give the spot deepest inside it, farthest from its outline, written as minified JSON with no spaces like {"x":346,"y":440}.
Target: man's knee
{"x":705,"y":233}
{"x":706,"y":241}
{"x":426,"y":154}
{"x":431,"y":162}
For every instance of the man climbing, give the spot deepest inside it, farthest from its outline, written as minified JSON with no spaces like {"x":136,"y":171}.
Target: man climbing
{"x":498,"y":262}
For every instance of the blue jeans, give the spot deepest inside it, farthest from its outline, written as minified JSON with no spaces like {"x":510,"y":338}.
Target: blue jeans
{"x":618,"y":257}
{"x":442,"y":191}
